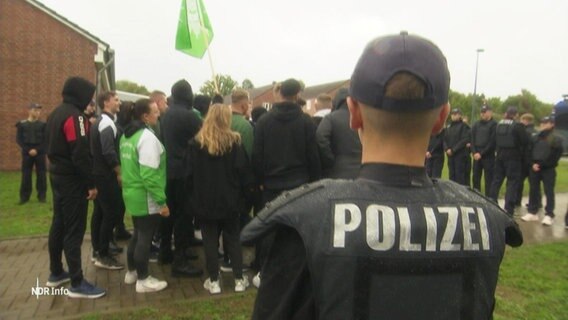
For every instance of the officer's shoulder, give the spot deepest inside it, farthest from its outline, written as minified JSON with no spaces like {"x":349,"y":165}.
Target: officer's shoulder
{"x":301,"y":193}
{"x":21,"y":122}
{"x":457,"y":190}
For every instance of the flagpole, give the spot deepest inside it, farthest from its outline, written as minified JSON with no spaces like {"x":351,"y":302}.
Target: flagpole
{"x":206,"y":33}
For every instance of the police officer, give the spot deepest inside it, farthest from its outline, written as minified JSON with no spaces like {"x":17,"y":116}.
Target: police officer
{"x":483,"y":149}
{"x":546,"y":150}
{"x":511,"y":141}
{"x":391,"y":244}
{"x":527,"y":120}
{"x":456,"y":139}
{"x":435,"y":155}
{"x":30,"y":137}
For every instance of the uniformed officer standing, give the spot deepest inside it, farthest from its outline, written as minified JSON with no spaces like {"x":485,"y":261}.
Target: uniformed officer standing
{"x":435,"y":155}
{"x":483,"y":149}
{"x":30,"y":137}
{"x":392,"y":244}
{"x":456,"y":139}
{"x":545,"y":153}
{"x":511,"y":140}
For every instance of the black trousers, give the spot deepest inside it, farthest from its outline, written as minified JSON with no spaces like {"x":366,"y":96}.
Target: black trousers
{"x":548,"y":178}
{"x":230,"y":229}
{"x":458,"y":167}
{"x":510,"y":169}
{"x":138,"y":252}
{"x":179,"y":221}
{"x":28,"y":163}
{"x":485,"y":166}
{"x":68,"y":225}
{"x":434,"y":166}
{"x":525,"y":172}
{"x":108,"y":208}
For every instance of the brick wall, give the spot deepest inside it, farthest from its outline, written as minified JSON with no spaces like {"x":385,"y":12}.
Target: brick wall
{"x":37,"y":54}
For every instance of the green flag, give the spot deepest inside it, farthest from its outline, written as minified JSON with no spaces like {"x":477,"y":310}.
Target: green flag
{"x":194,"y":32}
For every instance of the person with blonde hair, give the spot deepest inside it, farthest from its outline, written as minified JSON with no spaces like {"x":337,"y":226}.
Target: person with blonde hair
{"x":218,"y":176}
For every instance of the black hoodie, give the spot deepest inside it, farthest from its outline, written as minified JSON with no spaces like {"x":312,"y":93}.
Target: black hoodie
{"x":179,"y":125}
{"x":68,"y":130}
{"x":285,"y":153}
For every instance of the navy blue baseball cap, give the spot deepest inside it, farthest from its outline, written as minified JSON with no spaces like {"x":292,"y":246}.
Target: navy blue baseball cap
{"x":386,"y":56}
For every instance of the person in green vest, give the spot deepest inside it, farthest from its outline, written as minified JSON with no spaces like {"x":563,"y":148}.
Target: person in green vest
{"x":143,"y":163}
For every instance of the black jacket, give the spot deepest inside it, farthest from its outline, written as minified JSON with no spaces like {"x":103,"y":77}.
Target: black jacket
{"x":67,"y":132}
{"x":178,"y":125}
{"x":457,"y":136}
{"x":546,"y":149}
{"x":218,"y":184}
{"x":31,"y":135}
{"x":436,"y":145}
{"x":483,"y":137}
{"x":285,"y":152}
{"x":104,"y":145}
{"x":339,"y":145}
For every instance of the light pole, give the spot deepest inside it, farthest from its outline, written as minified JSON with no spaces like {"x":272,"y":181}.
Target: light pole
{"x":475,"y":86}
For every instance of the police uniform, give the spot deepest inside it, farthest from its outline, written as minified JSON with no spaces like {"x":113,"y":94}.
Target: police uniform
{"x":435,"y":164}
{"x":391,"y":244}
{"x":456,"y":138}
{"x":31,"y":135}
{"x":546,"y":151}
{"x":511,"y":140}
{"x":483,"y":142}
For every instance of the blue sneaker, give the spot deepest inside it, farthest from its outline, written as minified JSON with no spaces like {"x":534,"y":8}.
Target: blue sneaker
{"x":56,"y":281}
{"x":86,"y":290}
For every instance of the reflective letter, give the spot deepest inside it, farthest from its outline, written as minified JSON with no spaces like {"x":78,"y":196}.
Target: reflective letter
{"x":483,"y":229}
{"x":406,"y":231}
{"x":340,"y":224}
{"x":387,"y":228}
{"x":450,"y":232}
{"x":431,"y":229}
{"x":467,"y":226}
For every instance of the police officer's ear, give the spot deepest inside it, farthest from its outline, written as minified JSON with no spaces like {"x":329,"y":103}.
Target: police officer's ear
{"x":355,"y":120}
{"x":442,"y":117}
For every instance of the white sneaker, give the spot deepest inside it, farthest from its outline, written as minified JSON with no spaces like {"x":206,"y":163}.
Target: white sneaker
{"x":197,"y":235}
{"x":547,"y":221}
{"x":256,"y":280}
{"x":150,"y":284}
{"x":530,"y":217}
{"x":214,"y":287}
{"x":131,"y":277}
{"x":241,"y":284}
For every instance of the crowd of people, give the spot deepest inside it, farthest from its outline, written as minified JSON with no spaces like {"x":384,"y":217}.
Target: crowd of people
{"x":189,"y":168}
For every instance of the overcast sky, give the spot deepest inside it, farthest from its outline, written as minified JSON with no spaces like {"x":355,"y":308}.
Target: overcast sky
{"x":525,"y":42}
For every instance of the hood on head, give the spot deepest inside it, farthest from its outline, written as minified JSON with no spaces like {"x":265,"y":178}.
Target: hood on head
{"x":182,"y":93}
{"x":286,"y":111}
{"x":78,"y":92}
{"x":340,"y":98}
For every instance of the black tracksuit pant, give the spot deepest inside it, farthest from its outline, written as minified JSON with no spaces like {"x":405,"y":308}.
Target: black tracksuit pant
{"x":510,"y":169}
{"x":458,"y":167}
{"x":434,"y":166}
{"x":485,"y":166}
{"x":210,"y":230}
{"x":179,"y":221}
{"x":108,"y":208}
{"x":138,"y":252}
{"x":548,"y":178}
{"x":68,"y":225}
{"x":28,"y":163}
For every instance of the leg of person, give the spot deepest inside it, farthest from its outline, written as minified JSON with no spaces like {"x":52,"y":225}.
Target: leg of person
{"x":467,"y":172}
{"x":438,"y":166}
{"x":498,"y":179}
{"x":210,"y":233}
{"x":26,"y":184}
{"x":96,"y":220}
{"x":41,"y":180}
{"x":166,"y":255}
{"x":488,"y":164}
{"x":513,"y":173}
{"x":181,"y":265}
{"x":146,"y":227}
{"x":534,"y":193}
{"x":548,"y":181}
{"x":428,"y":163}
{"x":58,"y":276}
{"x":110,"y":203}
{"x":452,"y":168}
{"x":120,"y":228}
{"x":476,"y":175}
{"x":131,"y":274}
{"x":525,"y":172}
{"x":460,"y":168}
{"x":231,"y":231}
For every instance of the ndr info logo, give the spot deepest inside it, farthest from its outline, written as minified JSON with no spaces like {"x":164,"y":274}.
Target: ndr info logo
{"x":47,"y":291}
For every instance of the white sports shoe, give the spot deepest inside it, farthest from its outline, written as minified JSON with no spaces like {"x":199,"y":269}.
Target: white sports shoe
{"x":214,"y":287}
{"x":131,"y":277}
{"x":530,"y":217}
{"x":241,"y":284}
{"x":150,"y":284}
{"x":256,"y":280}
{"x":547,"y":221}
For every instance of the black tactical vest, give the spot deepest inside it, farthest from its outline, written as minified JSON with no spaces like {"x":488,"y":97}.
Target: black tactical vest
{"x":384,"y":252}
{"x":482,"y":133}
{"x":33,"y":132}
{"x":541,"y":149}
{"x":504,"y":134}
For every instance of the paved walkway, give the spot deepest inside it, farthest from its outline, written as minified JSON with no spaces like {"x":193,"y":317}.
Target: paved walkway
{"x":24,"y":261}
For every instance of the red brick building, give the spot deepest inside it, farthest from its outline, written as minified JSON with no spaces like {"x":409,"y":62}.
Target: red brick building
{"x":39,"y":49}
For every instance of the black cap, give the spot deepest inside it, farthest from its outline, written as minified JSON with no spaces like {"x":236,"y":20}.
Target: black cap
{"x":385,"y":56}
{"x":485,"y":108}
{"x":456,"y":111}
{"x":34,"y":105}
{"x":512,"y":111}
{"x":290,"y":88}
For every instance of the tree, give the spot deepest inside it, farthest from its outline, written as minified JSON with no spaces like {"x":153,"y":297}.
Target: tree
{"x":225,"y":82}
{"x":132,"y":87}
{"x":527,"y":102}
{"x":247,"y":84}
